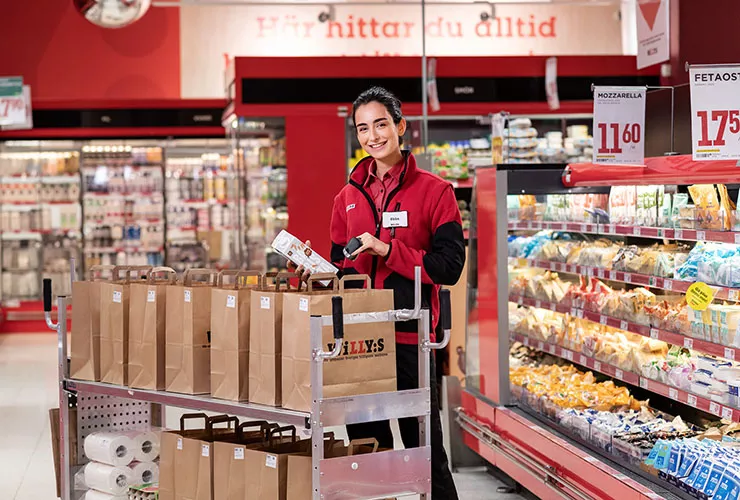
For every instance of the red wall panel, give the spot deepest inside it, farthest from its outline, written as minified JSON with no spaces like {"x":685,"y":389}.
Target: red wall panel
{"x":63,"y":56}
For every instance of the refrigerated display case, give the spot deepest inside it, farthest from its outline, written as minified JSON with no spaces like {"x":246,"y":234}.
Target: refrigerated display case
{"x":39,"y":218}
{"x":598,"y":288}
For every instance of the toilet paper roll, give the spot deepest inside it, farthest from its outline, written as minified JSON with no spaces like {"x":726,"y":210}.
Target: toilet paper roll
{"x":146,"y":446}
{"x":144,"y":473}
{"x":110,"y":448}
{"x":99,"y":495}
{"x":107,"y":478}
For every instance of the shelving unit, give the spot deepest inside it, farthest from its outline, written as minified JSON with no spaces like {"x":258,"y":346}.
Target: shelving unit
{"x":487,"y":378}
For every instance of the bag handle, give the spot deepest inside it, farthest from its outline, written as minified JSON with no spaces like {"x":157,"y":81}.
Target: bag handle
{"x":138,"y":272}
{"x":225,"y":272}
{"x":168,"y":271}
{"x":271,"y":433}
{"x":192,"y":416}
{"x":221,"y":419}
{"x":355,"y":277}
{"x":264,"y":426}
{"x":322,"y":277}
{"x":280,"y":278}
{"x":115,"y":273}
{"x":246,"y":274}
{"x":187,"y":278}
{"x":362,"y":442}
{"x":92,"y":272}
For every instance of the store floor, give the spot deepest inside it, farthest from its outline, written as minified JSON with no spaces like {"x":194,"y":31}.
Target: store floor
{"x":28,"y":389}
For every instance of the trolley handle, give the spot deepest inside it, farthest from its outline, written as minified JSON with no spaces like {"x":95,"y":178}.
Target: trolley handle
{"x":337,"y":315}
{"x":445,"y":320}
{"x":47,"y":295}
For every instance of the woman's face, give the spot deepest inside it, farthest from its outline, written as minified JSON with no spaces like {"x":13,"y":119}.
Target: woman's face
{"x":377,"y":133}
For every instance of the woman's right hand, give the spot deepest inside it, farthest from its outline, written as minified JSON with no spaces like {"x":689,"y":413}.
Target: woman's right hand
{"x":300,"y":270}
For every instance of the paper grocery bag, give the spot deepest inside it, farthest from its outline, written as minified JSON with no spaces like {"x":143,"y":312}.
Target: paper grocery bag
{"x":367,"y":362}
{"x":188,"y":332}
{"x":186,"y":458}
{"x":114,"y":315}
{"x":85,"y":335}
{"x":230,"y":311}
{"x":146,"y":337}
{"x":266,"y":341}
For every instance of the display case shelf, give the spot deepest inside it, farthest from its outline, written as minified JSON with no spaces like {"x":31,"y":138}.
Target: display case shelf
{"x":695,"y":401}
{"x":661,"y":233}
{"x":703,"y":346}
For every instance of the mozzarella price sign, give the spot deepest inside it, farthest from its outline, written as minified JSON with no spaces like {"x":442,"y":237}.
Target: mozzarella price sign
{"x":715,"y":112}
{"x":619,"y":124}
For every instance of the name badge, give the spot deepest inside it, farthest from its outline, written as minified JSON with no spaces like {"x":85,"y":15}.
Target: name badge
{"x":396,"y":219}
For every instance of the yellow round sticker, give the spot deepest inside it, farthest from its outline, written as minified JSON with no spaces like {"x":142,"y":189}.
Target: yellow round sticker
{"x":699,"y":296}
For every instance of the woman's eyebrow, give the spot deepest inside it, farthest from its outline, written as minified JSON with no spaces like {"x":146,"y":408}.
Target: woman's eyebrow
{"x":377,"y":120}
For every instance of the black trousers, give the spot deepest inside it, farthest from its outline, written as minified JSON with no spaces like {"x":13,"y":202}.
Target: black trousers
{"x":407,"y":366}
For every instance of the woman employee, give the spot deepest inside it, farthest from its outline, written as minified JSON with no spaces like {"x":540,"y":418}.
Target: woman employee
{"x":404,"y":217}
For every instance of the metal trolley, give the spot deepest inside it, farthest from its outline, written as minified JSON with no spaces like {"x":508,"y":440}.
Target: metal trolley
{"x":378,"y":475}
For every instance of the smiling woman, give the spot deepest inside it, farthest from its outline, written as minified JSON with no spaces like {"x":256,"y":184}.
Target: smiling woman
{"x":404,"y":217}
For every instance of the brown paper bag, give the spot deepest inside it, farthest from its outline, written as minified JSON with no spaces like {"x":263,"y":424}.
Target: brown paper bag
{"x":265,"y":471}
{"x":187,"y":353}
{"x":114,"y":314}
{"x":186,"y":458}
{"x":85,"y":337}
{"x":300,"y":479}
{"x":230,"y":308}
{"x":266,"y":341}
{"x":146,"y":337}
{"x":367,"y":362}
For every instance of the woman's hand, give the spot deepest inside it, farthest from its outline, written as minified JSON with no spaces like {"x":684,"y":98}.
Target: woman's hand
{"x":372,"y":245}
{"x":300,"y":270}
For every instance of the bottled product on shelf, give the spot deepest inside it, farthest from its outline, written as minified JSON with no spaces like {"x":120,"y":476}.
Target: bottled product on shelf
{"x":123,"y":205}
{"x":39,"y":219}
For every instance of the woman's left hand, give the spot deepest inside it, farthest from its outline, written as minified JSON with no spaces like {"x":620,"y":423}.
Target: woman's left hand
{"x":372,"y":245}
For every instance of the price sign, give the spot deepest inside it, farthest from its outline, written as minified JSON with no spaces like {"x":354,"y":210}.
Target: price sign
{"x":637,"y":231}
{"x":729,"y":353}
{"x":538,"y":304}
{"x":715,"y":112}
{"x":654,"y":333}
{"x":612,"y":275}
{"x":668,"y":284}
{"x":691,"y":399}
{"x":737,"y":238}
{"x":678,"y":234}
{"x":652,"y":281}
{"x":623,"y":325}
{"x":673,"y":394}
{"x":540,"y":346}
{"x":597,"y":366}
{"x":526,"y":341}
{"x":688,"y":343}
{"x":520,"y":301}
{"x":714,"y":408}
{"x":727,"y":413}
{"x":644,"y":383}
{"x":583,"y":360}
{"x":701,"y":236}
{"x":733,"y":295}
{"x":627,"y":278}
{"x":619,"y":121}
{"x":602,"y":319}
{"x":619,"y":373}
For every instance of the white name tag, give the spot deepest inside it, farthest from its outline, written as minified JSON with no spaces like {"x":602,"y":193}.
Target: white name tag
{"x":396,"y":219}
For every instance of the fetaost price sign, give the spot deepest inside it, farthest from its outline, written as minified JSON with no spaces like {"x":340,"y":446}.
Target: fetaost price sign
{"x":715,"y":112}
{"x":619,"y":124}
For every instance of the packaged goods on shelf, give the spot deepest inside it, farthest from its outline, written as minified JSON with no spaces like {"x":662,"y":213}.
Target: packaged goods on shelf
{"x":450,"y":160}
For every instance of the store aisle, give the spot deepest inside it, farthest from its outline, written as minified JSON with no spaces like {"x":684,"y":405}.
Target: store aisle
{"x":28,"y":389}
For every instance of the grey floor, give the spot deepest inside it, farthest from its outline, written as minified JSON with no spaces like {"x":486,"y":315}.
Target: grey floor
{"x":28,"y":389}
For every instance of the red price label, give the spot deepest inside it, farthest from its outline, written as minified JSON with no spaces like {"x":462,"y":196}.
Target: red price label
{"x":616,"y":135}
{"x":722,"y":121}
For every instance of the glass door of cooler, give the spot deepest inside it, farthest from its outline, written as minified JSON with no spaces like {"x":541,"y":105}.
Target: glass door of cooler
{"x":259,"y":156}
{"x":201,"y":198}
{"x":123,"y":204}
{"x":39,"y":217}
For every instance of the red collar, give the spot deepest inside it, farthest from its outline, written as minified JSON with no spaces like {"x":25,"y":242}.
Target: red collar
{"x":361,"y":172}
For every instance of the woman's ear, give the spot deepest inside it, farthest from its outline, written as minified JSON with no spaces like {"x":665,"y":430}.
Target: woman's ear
{"x":402,"y":127}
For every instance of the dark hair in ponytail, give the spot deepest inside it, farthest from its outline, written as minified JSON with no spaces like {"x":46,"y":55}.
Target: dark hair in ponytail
{"x":384,"y":97}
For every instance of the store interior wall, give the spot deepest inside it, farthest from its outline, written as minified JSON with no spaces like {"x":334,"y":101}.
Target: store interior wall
{"x":64,"y":57}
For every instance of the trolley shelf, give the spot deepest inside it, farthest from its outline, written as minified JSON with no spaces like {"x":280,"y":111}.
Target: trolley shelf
{"x":205,"y":403}
{"x":699,"y":402}
{"x":707,"y":347}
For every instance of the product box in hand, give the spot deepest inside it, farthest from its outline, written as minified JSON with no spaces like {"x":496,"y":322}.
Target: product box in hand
{"x":266,"y":341}
{"x":146,"y":340}
{"x":188,"y":342}
{"x":114,"y":316}
{"x":186,"y":457}
{"x":85,"y":335}
{"x":230,"y":331}
{"x":299,"y":254}
{"x":367,"y":362}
